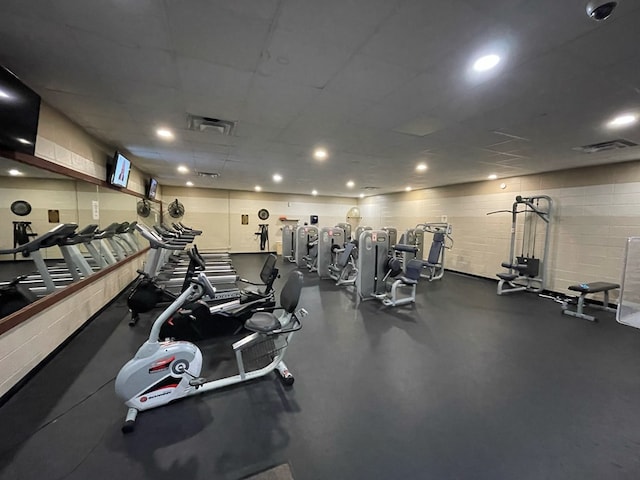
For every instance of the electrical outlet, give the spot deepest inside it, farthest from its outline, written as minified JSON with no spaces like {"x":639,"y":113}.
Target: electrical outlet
{"x":443,"y":219}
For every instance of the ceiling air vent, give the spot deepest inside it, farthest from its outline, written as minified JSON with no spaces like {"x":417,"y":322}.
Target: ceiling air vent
{"x":213,"y":175}
{"x":210,"y":124}
{"x":610,"y":145}
{"x":370,"y":188}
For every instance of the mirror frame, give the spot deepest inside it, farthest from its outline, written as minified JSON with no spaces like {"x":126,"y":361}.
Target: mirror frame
{"x":16,"y":318}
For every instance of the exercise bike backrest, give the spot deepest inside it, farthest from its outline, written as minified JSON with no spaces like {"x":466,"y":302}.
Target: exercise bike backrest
{"x":269,"y":272}
{"x":290,"y":294}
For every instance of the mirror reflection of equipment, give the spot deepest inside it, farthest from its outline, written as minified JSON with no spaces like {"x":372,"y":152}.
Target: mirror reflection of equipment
{"x":143,"y":208}
{"x":175,"y":209}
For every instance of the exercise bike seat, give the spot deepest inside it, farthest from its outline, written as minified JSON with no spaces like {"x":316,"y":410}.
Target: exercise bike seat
{"x":263,"y":322}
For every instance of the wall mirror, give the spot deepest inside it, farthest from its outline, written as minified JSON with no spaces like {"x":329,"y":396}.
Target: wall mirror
{"x":43,"y":199}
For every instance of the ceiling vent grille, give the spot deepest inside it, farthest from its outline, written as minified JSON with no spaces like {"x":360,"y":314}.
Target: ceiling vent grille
{"x":370,"y":188}
{"x":603,"y":146}
{"x":212,"y":175}
{"x":210,"y":124}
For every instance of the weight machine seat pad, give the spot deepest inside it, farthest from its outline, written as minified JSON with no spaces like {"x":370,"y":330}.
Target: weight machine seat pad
{"x":521,"y":267}
{"x":594,"y":287}
{"x":263,"y":322}
{"x":407,"y":281}
{"x":507,"y":276}
{"x":398,"y":247}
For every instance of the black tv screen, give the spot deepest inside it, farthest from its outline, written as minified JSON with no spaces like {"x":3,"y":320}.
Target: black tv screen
{"x":19,"y":112}
{"x":153,"y":187}
{"x":120,"y":173}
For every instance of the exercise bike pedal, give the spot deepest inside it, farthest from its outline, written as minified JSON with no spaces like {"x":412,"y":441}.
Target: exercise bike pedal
{"x":197,"y":382}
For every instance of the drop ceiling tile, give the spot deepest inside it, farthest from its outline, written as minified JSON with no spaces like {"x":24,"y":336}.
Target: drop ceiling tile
{"x":347,"y":24}
{"x":113,"y":62}
{"x":291,"y":56}
{"x":612,"y":42}
{"x":206,"y":78}
{"x":275,"y":103}
{"x":210,"y":32}
{"x":137,"y":24}
{"x":419,"y":36}
{"x":370,"y":79}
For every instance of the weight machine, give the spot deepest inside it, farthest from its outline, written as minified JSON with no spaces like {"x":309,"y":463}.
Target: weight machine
{"x":330,"y":240}
{"x":306,"y":247}
{"x":526,"y":272}
{"x":433,"y":265}
{"x":376,"y":268}
{"x":288,"y":243}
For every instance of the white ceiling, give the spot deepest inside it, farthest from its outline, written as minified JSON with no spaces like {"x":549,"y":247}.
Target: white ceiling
{"x":381,"y":84}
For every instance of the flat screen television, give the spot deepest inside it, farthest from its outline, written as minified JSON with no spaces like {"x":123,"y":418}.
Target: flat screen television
{"x":19,"y":112}
{"x":153,"y":187}
{"x":120,"y":173}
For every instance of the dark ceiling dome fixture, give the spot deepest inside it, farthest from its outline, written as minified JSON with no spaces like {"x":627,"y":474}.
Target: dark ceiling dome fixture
{"x":21,"y":208}
{"x":175,"y":209}
{"x":143,"y":208}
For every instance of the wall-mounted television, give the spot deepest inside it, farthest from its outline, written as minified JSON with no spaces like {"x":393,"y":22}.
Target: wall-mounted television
{"x":120,"y":173}
{"x":19,"y":112}
{"x":153,"y":187}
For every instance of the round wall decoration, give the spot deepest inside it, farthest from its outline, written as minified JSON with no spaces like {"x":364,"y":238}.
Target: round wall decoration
{"x":21,"y":208}
{"x":263,"y":214}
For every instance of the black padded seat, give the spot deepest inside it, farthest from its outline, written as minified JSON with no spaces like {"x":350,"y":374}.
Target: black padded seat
{"x":263,"y":322}
{"x":408,"y":281}
{"x":507,"y":276}
{"x":594,"y":287}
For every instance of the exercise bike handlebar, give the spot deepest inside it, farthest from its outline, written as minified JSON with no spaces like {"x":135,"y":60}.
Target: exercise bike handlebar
{"x":199,"y":287}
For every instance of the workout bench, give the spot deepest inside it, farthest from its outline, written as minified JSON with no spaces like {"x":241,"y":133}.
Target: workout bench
{"x":586,"y":289}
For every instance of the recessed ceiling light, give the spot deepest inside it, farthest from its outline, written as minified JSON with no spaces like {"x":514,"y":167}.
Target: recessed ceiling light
{"x":493,"y":176}
{"x":23,"y":141}
{"x":486,"y":63}
{"x":183,"y":169}
{"x":362,"y":195}
{"x":623,"y":120}
{"x":421,"y":167}
{"x":165,"y":133}
{"x":4,"y":94}
{"x":314,"y":192}
{"x":407,"y":189}
{"x":320,"y":153}
{"x":277,"y":177}
{"x":351,"y":184}
{"x":14,"y":173}
{"x":257,"y":188}
{"x":189,"y":184}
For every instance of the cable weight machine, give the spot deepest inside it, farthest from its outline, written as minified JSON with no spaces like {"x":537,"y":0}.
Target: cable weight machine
{"x":526,"y":271}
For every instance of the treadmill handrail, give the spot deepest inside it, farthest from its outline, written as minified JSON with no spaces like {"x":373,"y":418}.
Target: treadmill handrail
{"x":155,"y":241}
{"x":45,"y":240}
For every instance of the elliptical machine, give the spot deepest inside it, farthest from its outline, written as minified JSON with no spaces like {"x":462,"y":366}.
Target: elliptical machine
{"x":162,"y":372}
